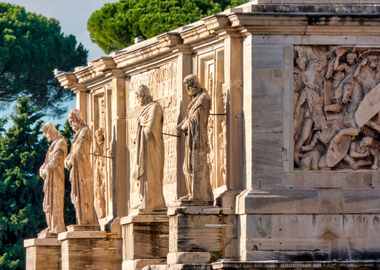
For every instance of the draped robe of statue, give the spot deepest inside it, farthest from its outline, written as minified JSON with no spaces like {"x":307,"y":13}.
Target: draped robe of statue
{"x":195,"y":165}
{"x":82,"y":190}
{"x":149,"y":167}
{"x":54,"y":185}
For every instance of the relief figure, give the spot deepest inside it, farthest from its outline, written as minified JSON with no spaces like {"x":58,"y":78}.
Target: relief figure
{"x":99,"y":175}
{"x":336,"y":113}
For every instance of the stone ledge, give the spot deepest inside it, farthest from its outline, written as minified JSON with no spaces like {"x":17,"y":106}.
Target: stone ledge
{"x":252,"y":265}
{"x":82,"y":234}
{"x":194,"y":210}
{"x":41,"y":242}
{"x":188,"y":257}
{"x":309,"y":201}
{"x":162,"y":217}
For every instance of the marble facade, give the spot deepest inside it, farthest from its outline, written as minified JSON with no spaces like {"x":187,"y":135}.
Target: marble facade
{"x":294,"y":96}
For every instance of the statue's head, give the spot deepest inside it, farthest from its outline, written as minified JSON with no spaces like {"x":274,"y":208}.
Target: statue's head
{"x":192,"y":85}
{"x":143,"y":95}
{"x":75,"y":119}
{"x":351,"y":58}
{"x":372,"y":60}
{"x":50,"y":131}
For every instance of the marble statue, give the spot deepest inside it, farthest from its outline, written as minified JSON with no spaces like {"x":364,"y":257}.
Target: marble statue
{"x":99,"y":174}
{"x":149,"y":164}
{"x":194,"y":126}
{"x":336,"y":113}
{"x":52,"y":172}
{"x":78,"y":162}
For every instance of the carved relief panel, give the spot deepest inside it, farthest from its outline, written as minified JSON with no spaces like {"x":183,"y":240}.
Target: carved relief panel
{"x":101,"y":150}
{"x":337,"y":105}
{"x":212,"y":77}
{"x":163,"y":85}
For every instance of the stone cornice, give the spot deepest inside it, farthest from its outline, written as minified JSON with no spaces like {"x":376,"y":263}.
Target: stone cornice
{"x":146,"y":50}
{"x":207,"y":30}
{"x":69,"y":80}
{"x":245,"y":20}
{"x":305,"y":24}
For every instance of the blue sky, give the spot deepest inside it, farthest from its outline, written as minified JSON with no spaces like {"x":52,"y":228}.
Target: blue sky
{"x":72,"y":15}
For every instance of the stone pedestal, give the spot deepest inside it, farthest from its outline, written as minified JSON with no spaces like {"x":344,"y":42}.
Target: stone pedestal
{"x":145,"y":239}
{"x":195,"y":235}
{"x":43,"y":254}
{"x":85,"y":249}
{"x":311,"y":224}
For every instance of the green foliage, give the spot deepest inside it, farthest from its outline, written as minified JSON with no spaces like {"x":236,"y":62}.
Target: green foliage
{"x":31,"y":47}
{"x":22,"y":152}
{"x":115,"y":25}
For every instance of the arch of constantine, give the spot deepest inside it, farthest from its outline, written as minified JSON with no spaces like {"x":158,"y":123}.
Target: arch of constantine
{"x":267,"y":158}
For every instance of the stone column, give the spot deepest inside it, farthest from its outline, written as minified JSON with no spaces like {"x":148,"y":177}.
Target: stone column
{"x":233,"y":75}
{"x":81,"y":100}
{"x":234,"y":64}
{"x":120,"y":187}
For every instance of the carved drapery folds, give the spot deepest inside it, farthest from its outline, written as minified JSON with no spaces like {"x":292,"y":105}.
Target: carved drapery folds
{"x":337,"y":105}
{"x":52,"y":172}
{"x":81,"y":175}
{"x":163,"y":85}
{"x":195,"y":128}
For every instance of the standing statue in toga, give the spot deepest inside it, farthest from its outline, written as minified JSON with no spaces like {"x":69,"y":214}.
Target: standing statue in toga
{"x":194,"y":126}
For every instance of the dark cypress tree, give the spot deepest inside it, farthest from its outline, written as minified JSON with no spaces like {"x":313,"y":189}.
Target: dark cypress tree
{"x":22,"y":151}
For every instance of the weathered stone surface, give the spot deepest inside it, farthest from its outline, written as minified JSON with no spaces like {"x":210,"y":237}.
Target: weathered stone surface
{"x":194,"y":235}
{"x":308,"y":201}
{"x":90,"y":250}
{"x":145,"y":240}
{"x":43,"y":254}
{"x":349,"y":236}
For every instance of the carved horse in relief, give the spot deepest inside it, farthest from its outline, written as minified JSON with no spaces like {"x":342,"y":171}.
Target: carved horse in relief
{"x":351,"y":97}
